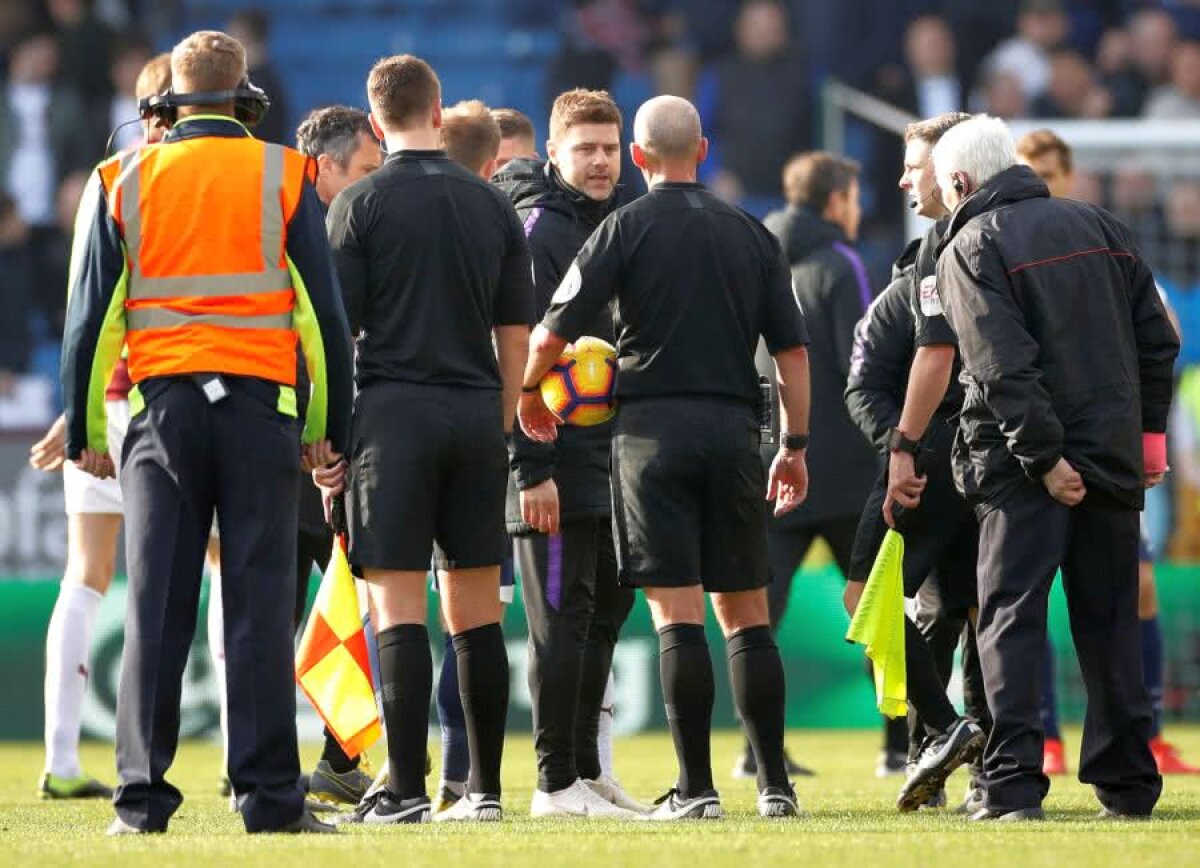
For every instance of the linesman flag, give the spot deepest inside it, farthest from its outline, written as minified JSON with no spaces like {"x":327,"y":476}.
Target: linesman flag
{"x":878,"y":623}
{"x":332,"y":666}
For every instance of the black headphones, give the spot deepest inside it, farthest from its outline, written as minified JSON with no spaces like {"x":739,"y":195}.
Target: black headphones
{"x":958,"y":186}
{"x":250,"y":103}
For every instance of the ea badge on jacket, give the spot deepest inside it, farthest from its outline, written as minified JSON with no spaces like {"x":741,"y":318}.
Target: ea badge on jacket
{"x":569,"y":288}
{"x":931,"y":302}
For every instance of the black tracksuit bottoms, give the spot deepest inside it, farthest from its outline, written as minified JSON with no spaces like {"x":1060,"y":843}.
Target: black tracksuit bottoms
{"x":575,"y":610}
{"x":1023,"y":542}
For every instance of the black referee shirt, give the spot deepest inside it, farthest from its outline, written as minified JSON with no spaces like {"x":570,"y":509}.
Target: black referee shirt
{"x":929,"y":319}
{"x":696,"y":282}
{"x":430,"y":259}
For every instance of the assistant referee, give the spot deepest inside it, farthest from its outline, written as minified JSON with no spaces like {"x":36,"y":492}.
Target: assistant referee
{"x":697,"y":282}
{"x":433,"y":266}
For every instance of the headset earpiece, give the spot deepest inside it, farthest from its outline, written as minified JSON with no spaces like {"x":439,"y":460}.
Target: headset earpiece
{"x":250,"y":103}
{"x":958,"y":186}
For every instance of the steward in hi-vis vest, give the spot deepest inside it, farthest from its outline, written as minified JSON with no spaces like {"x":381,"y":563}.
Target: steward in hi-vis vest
{"x":206,"y":256}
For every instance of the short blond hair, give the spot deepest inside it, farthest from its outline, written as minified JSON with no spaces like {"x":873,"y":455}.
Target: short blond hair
{"x":208,"y":60}
{"x":155,"y":77}
{"x":470,"y":133}
{"x":582,"y":106}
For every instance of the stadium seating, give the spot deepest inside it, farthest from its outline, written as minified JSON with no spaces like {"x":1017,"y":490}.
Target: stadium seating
{"x":324,"y":48}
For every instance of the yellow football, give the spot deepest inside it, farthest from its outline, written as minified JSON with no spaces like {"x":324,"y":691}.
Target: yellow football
{"x":581,"y":387}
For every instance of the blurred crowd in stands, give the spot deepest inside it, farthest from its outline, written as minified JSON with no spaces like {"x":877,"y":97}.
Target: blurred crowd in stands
{"x":753,"y":67}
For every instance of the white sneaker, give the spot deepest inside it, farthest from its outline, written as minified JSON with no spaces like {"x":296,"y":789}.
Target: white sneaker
{"x":609,"y":789}
{"x":706,"y":806}
{"x":473,"y":808}
{"x":577,"y":800}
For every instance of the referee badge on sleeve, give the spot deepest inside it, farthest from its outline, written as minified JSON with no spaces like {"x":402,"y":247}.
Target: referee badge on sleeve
{"x":931,"y":302}
{"x":569,"y":288}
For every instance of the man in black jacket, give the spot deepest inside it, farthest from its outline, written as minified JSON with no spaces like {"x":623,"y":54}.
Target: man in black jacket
{"x":940,"y":539}
{"x":559,"y":499}
{"x":941,"y":535}
{"x":830,"y":280}
{"x":1067,"y":360}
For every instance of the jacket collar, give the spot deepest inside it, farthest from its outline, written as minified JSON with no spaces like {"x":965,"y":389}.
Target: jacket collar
{"x":581,"y":203}
{"x":195,"y":126}
{"x":1012,"y":185}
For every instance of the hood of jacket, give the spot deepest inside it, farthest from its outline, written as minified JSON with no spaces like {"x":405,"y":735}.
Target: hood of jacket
{"x":802,"y":232}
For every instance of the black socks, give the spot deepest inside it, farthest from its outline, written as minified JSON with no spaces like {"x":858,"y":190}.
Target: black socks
{"x":483,"y":685}
{"x":406,"y":680}
{"x":687,"y":683}
{"x":756,"y":678}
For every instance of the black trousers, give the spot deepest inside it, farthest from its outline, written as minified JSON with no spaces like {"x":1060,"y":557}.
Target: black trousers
{"x":787,"y":548}
{"x":183,"y":459}
{"x":943,"y":631}
{"x":575,"y":608}
{"x":1022,"y":543}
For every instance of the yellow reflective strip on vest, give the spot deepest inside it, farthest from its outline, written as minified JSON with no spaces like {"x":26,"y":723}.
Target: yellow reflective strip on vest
{"x":287,"y":401}
{"x":129,"y":182}
{"x":164,"y":318}
{"x":137,"y":402}
{"x":272,"y":209}
{"x":210,"y":285}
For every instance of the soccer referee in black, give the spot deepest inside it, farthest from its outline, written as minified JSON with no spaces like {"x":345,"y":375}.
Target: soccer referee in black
{"x":433,"y":265}
{"x":697,"y":282}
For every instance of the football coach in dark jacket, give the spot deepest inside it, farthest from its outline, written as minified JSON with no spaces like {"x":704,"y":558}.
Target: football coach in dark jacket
{"x":829,"y":279}
{"x":1067,"y":356}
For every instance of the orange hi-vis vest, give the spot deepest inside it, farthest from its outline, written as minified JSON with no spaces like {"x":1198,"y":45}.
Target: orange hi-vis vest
{"x":204,"y":221}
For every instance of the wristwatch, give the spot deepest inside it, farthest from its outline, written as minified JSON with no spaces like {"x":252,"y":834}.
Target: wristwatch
{"x":898,"y":442}
{"x":795,"y":442}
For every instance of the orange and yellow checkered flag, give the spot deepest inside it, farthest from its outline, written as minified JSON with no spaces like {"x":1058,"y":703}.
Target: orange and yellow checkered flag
{"x":332,"y":666}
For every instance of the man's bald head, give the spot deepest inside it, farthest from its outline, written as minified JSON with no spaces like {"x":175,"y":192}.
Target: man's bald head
{"x":668,"y":128}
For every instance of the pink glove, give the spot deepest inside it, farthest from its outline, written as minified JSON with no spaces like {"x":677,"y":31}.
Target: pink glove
{"x":1154,"y":453}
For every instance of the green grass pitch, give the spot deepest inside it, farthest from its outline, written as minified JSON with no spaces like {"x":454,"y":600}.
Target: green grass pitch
{"x":850,"y":821}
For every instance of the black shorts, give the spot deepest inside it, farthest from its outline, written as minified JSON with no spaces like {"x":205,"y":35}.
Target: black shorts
{"x":689,"y":495}
{"x":428,"y":470}
{"x":941,"y":536}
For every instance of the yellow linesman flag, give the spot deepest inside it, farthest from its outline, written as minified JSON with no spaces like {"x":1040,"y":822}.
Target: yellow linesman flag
{"x":878,"y":623}
{"x":332,"y":666}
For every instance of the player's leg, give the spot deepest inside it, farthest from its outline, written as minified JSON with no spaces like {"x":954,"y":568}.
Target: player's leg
{"x":471,"y":544}
{"x":1166,"y":755}
{"x":787,"y":548}
{"x":91,"y":560}
{"x":735,"y":572}
{"x":558,"y":573}
{"x":215,"y":620}
{"x":1054,"y":757}
{"x":398,"y":598}
{"x":686,"y":673}
{"x":594,"y":725}
{"x":393,"y":491}
{"x":456,"y":759}
{"x":1100,"y":580}
{"x":472,"y":609}
{"x":944,"y":550}
{"x":658,"y":481}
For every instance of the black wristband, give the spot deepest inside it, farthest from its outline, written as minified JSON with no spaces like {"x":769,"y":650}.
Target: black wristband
{"x":529,"y":390}
{"x":795,"y":442}
{"x":898,"y":442}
